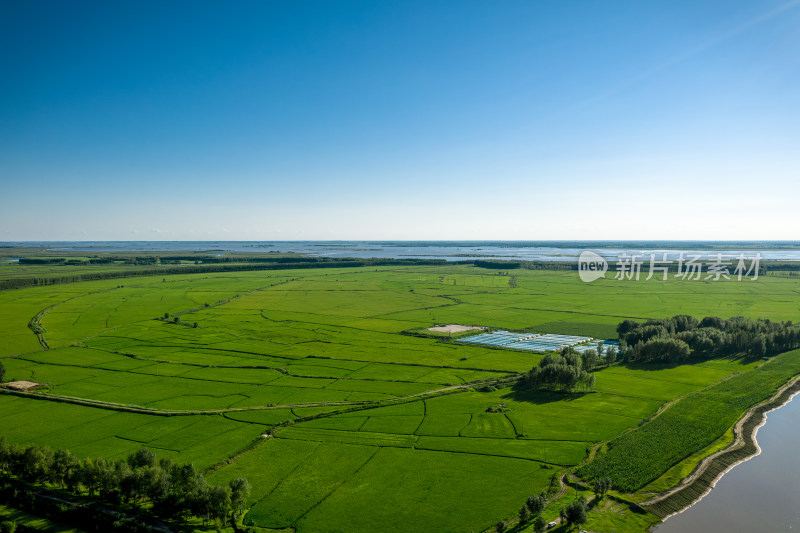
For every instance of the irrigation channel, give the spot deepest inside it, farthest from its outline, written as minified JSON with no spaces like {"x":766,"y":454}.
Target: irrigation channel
{"x":761,"y":494}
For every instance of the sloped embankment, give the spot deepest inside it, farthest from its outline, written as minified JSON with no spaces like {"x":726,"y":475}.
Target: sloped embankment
{"x":712,"y":468}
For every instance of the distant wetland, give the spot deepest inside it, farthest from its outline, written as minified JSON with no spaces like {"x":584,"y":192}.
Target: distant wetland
{"x":442,"y":250}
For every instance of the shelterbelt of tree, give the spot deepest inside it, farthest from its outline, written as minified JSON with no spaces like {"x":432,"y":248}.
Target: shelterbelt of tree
{"x":325,"y":390}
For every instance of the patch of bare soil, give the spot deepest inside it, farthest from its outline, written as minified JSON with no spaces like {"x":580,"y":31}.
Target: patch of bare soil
{"x":454,"y":328}
{"x":21,"y":385}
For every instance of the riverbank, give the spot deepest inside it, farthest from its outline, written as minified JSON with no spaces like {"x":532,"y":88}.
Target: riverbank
{"x":708,"y":472}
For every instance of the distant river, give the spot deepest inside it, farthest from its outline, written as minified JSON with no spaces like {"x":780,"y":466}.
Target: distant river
{"x":445,"y":250}
{"x":762,"y":494}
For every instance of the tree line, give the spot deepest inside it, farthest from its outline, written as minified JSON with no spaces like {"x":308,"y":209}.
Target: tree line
{"x":172,"y":490}
{"x":531,"y":512}
{"x":573,"y":514}
{"x":568,"y":371}
{"x":242,"y":266}
{"x":683,"y":337}
{"x":21,"y":282}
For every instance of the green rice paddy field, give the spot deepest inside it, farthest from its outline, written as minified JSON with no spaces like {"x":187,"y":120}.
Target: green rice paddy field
{"x":400,"y":441}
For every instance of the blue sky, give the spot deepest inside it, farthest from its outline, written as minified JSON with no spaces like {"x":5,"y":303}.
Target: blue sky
{"x":542,"y":119}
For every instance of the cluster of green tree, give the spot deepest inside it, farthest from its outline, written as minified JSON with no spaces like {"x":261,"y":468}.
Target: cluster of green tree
{"x":175,"y":491}
{"x":574,"y":514}
{"x":249,"y":259}
{"x":565,"y":372}
{"x":66,"y":261}
{"x":773,"y":266}
{"x":497,"y":265}
{"x":591,"y":358}
{"x":42,"y":260}
{"x":148,"y":260}
{"x":681,"y":337}
{"x":793,"y":274}
{"x":549,"y":265}
{"x":82,"y":514}
{"x":600,"y":487}
{"x":531,"y":513}
{"x":2,"y":372}
{"x":177,"y":320}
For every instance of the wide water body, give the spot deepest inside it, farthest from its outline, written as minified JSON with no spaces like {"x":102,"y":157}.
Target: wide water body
{"x":760,"y":495}
{"x":444,"y":250}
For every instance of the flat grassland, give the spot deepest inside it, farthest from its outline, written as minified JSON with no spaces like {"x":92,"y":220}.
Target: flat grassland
{"x":374,"y":425}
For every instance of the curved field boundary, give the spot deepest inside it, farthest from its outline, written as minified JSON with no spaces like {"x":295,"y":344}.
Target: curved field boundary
{"x":423,"y":365}
{"x":229,"y":300}
{"x":35,"y":323}
{"x":265,"y":436}
{"x":280,"y":369}
{"x":700,"y":482}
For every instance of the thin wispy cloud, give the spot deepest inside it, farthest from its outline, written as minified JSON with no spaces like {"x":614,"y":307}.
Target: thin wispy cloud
{"x":704,"y":46}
